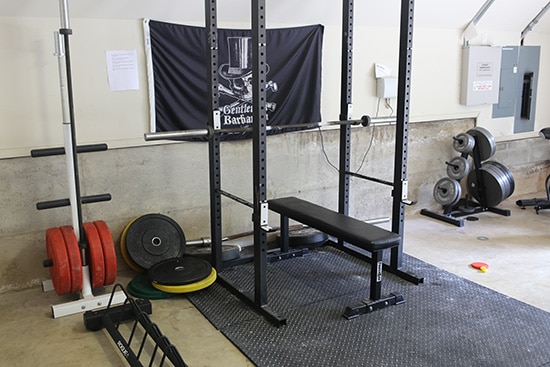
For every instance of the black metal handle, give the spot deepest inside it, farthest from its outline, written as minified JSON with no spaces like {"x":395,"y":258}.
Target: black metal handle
{"x":46,"y":152}
{"x":66,"y":202}
{"x":47,"y":263}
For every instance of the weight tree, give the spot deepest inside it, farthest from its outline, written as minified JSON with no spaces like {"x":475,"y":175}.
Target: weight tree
{"x":92,"y":260}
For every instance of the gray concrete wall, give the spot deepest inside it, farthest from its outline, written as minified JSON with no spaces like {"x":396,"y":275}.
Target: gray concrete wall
{"x":172,"y":179}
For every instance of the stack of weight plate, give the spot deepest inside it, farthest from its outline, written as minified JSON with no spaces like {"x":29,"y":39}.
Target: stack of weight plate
{"x":65,"y":262}
{"x":182,"y":275}
{"x":498,"y":183}
{"x":149,"y":239}
{"x":154,"y":246}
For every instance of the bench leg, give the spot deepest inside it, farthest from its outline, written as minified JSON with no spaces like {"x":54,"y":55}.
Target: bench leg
{"x":284,"y":234}
{"x":375,"y":302}
{"x":376,"y":275}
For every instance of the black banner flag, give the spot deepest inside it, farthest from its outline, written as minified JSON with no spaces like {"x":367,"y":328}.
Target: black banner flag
{"x":179,"y":75}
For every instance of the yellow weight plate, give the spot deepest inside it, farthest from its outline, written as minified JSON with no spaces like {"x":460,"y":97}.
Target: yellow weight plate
{"x":124,"y":251}
{"x":188,"y":288}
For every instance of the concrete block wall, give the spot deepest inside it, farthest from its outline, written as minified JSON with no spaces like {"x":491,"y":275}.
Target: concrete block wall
{"x":528,"y":161}
{"x":172,"y":179}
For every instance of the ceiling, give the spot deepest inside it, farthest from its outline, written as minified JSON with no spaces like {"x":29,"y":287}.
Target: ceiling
{"x":503,"y":15}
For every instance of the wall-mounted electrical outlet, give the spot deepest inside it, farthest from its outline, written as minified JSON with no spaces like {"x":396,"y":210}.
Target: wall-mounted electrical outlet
{"x":386,"y":87}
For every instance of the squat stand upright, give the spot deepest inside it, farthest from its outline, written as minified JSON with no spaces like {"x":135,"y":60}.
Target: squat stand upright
{"x":400,"y":182}
{"x":259,"y":299}
{"x":87,"y":300}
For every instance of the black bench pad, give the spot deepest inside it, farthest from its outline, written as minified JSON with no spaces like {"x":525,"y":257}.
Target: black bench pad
{"x":364,"y":235}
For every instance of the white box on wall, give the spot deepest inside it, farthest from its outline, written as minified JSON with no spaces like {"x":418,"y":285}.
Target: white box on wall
{"x":386,"y":87}
{"x":480,"y":75}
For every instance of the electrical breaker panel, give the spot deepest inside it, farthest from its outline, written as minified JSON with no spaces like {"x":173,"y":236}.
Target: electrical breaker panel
{"x":480,"y":75}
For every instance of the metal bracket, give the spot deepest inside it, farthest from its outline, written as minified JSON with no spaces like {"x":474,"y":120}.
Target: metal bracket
{"x":404,"y":189}
{"x":217,"y":120}
{"x":350,"y":111}
{"x":264,"y":211}
{"x":86,"y":304}
{"x":405,"y":192}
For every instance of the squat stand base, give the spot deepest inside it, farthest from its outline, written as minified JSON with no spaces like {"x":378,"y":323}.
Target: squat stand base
{"x":464,"y":208}
{"x":369,"y":306}
{"x":87,"y":303}
{"x":248,"y":298}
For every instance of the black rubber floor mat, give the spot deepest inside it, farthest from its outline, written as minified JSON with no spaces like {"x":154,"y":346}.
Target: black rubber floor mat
{"x":446,"y":321}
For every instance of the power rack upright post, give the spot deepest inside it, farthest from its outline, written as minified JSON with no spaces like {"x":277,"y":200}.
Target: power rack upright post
{"x":400,"y":182}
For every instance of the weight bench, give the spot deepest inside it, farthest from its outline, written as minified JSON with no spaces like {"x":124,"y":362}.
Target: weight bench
{"x":353,"y":231}
{"x":539,"y":203}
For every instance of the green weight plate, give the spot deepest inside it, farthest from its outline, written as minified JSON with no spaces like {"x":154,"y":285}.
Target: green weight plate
{"x":141,"y":287}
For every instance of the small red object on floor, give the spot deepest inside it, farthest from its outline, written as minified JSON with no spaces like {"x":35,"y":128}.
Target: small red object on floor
{"x":480,"y":265}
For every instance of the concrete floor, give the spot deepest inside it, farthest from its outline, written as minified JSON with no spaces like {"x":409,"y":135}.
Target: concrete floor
{"x":517,"y":249}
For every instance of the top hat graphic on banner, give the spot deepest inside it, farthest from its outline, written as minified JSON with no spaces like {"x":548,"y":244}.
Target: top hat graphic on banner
{"x":240,"y":58}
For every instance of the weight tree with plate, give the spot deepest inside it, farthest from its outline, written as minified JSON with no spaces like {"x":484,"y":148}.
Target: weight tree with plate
{"x":488,"y":183}
{"x":80,"y":257}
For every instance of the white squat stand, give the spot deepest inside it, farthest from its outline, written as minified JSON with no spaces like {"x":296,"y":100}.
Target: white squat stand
{"x":87,"y":301}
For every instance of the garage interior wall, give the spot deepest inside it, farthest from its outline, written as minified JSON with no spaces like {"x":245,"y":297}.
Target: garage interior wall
{"x":172,"y":178}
